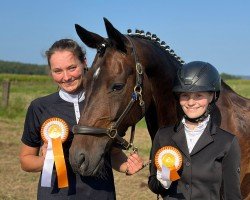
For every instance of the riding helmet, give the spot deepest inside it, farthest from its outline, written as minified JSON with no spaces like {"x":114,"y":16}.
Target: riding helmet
{"x":197,"y":76}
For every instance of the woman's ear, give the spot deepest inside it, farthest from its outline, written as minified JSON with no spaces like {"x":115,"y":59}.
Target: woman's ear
{"x":50,"y":73}
{"x":84,"y":63}
{"x":85,"y":69}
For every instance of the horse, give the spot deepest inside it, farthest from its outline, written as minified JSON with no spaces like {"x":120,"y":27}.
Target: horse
{"x":131,"y":77}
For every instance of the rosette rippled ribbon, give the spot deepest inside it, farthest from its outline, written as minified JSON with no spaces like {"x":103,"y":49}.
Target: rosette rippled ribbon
{"x":168,"y":160}
{"x":169,"y":171}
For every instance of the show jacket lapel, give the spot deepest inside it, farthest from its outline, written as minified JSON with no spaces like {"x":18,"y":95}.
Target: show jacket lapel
{"x":203,"y":141}
{"x":180,"y":140}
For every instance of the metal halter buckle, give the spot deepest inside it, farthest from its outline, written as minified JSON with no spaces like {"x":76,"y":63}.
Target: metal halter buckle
{"x":112,"y":133}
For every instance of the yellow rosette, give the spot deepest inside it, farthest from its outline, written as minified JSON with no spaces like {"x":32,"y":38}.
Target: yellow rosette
{"x":54,"y":131}
{"x":169,"y":157}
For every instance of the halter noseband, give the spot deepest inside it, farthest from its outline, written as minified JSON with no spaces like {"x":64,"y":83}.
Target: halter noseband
{"x":112,"y":132}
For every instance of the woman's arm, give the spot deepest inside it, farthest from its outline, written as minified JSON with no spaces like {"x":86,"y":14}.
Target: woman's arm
{"x":30,"y":159}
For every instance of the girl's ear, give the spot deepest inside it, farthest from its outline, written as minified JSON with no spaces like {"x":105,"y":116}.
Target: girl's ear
{"x":212,"y":97}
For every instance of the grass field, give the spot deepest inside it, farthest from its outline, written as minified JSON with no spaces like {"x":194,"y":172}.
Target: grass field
{"x":19,"y":185}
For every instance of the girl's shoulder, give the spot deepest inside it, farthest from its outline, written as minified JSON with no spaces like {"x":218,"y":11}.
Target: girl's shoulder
{"x":225,"y":135}
{"x":166,"y":131}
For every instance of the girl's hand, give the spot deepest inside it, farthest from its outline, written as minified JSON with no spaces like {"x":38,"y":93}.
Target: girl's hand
{"x":134,"y":164}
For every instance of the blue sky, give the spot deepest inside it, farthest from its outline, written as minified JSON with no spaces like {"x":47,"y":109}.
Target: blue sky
{"x":216,"y":31}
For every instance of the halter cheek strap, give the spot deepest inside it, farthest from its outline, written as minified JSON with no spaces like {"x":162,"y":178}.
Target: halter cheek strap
{"x":112,"y":132}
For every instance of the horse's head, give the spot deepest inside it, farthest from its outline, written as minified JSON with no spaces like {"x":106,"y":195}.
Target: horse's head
{"x":117,"y":95}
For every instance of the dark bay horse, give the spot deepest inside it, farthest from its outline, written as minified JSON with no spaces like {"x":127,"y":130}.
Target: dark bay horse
{"x":132,"y":77}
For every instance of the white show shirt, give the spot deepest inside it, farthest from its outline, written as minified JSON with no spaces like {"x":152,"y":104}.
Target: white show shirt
{"x":193,"y":136}
{"x":75,"y":99}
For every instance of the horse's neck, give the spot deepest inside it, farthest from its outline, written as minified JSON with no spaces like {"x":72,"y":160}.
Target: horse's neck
{"x":233,"y":110}
{"x":162,"y":111}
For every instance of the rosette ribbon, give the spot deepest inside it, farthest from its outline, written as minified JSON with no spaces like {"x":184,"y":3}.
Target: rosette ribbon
{"x":168,"y":160}
{"x":54,"y":131}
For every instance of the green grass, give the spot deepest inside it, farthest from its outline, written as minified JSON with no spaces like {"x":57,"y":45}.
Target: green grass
{"x":242,"y":87}
{"x":26,"y":78}
{"x":24,"y":89}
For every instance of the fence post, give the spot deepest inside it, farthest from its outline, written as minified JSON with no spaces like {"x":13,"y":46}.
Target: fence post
{"x":6,"y":93}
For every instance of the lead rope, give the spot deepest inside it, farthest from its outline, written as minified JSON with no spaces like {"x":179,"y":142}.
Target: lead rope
{"x":132,"y":136}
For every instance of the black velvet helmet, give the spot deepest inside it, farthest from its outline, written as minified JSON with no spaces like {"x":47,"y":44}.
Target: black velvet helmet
{"x":197,"y":76}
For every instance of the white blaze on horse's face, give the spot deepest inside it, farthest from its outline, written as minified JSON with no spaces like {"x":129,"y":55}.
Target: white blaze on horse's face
{"x":97,"y":72}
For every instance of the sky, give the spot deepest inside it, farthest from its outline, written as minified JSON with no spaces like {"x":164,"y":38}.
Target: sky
{"x":215,"y":31}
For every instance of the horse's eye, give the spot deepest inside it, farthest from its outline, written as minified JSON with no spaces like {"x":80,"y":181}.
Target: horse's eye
{"x":117,"y":86}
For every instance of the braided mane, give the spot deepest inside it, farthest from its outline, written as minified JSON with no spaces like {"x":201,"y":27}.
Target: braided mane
{"x":156,"y":40}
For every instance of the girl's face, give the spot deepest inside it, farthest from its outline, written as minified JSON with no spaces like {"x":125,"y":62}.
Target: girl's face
{"x":67,"y":70}
{"x":194,"y":104}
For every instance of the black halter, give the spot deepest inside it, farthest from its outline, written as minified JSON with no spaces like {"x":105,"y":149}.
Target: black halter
{"x":112,"y":132}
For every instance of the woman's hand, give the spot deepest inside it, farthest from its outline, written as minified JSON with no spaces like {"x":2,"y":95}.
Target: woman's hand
{"x":43,"y":150}
{"x":31,"y":158}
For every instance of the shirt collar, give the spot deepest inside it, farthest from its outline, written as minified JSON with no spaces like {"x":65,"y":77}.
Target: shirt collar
{"x":72,"y":98}
{"x":199,"y":129}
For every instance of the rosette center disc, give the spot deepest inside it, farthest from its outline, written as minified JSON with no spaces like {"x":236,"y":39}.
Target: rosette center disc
{"x":168,"y":156}
{"x":54,"y":128}
{"x":54,"y":131}
{"x":168,"y":160}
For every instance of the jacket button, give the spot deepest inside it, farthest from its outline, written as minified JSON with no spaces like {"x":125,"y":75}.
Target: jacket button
{"x":188,"y":164}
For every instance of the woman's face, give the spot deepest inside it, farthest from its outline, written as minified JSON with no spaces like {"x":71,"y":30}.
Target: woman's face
{"x":194,"y":104}
{"x":67,"y":70}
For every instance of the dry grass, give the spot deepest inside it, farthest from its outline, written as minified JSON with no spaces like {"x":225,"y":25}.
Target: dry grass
{"x":14,"y":183}
{"x":136,"y":186}
{"x":20,"y":185}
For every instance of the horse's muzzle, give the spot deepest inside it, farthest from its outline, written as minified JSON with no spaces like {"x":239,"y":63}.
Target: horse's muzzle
{"x":79,"y":162}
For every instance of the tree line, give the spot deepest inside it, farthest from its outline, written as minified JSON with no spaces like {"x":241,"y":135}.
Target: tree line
{"x":8,"y":67}
{"x":22,"y":68}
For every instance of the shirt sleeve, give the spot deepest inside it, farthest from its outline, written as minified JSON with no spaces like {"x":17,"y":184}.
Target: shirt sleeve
{"x":231,"y":172}
{"x":153,"y":183}
{"x":31,"y":133}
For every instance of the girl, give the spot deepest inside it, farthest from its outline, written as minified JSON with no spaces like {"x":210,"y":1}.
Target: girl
{"x":196,"y":159}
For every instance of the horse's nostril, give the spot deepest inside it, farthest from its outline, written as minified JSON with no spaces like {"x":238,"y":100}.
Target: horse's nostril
{"x":81,"y":159}
{"x":81,"y":162}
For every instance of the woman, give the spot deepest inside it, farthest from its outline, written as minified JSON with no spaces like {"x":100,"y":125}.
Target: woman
{"x":196,"y":159}
{"x":67,"y":63}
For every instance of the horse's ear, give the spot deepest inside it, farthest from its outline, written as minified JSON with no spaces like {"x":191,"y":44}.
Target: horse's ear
{"x":92,"y":40}
{"x":118,"y":39}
